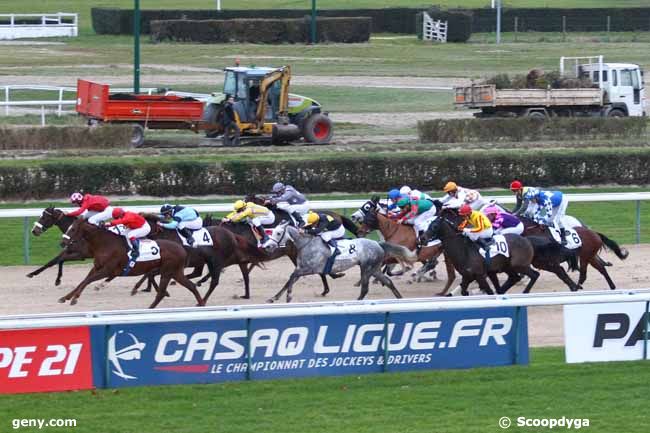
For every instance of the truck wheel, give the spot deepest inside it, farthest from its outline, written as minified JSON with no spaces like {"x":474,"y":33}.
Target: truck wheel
{"x":231,"y":135}
{"x":317,"y":129}
{"x":616,"y":113}
{"x":537,"y":115}
{"x":137,"y":135}
{"x":211,"y":115}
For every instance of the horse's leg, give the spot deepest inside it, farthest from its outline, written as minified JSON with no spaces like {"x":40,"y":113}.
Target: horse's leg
{"x":598,"y":265}
{"x":451,"y":276}
{"x":386,"y":282}
{"x":287,"y":286}
{"x":196,"y":272}
{"x":533,"y":275}
{"x":584,"y":262}
{"x":138,"y":284}
{"x":214,"y":269}
{"x":495,"y":281}
{"x":464,"y":283}
{"x":94,"y":275}
{"x":483,"y":285}
{"x":562,"y":275}
{"x":204,"y":279}
{"x":54,"y":261}
{"x":183,"y":281}
{"x":365,"y":281}
{"x":326,"y":287}
{"x":160,"y":292}
{"x":245,"y":273}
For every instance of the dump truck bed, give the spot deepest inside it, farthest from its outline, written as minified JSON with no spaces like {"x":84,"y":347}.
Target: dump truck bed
{"x":483,"y":96}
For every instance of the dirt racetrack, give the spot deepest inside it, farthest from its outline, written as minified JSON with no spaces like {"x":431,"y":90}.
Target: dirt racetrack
{"x":21,"y":295}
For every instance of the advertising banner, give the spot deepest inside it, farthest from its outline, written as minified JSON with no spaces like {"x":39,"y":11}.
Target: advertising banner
{"x":37,"y":360}
{"x":226,"y":350}
{"x":605,"y":332}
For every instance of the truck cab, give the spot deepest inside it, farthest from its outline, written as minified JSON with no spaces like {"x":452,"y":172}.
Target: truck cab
{"x":622,"y":83}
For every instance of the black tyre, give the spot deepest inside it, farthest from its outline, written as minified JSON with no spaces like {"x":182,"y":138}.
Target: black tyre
{"x":537,"y":115}
{"x":231,"y":136}
{"x":137,"y":135}
{"x":211,"y":115}
{"x":616,"y":113}
{"x":317,"y":129}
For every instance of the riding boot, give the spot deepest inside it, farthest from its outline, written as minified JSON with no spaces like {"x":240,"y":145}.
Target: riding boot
{"x":330,"y":261}
{"x":296,"y":216}
{"x":133,"y":256}
{"x":563,"y":236}
{"x":262,"y":233}
{"x":187,"y":234}
{"x":485,"y":244}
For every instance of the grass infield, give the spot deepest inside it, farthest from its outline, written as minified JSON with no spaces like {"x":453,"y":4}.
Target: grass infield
{"x":612,"y":396}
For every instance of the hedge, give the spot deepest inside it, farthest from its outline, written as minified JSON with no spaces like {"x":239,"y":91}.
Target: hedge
{"x":398,"y":20}
{"x":459,"y":27}
{"x":526,"y":129}
{"x":269,"y":31}
{"x":64,"y":137}
{"x":348,"y":173}
{"x":120,"y":21}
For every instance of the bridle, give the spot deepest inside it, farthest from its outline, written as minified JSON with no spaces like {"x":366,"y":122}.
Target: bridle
{"x":56,"y":220}
{"x":279,"y":241}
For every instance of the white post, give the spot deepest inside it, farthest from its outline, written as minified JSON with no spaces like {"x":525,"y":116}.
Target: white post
{"x":60,"y":100}
{"x":11,"y":22}
{"x":218,"y":5}
{"x":42,"y":115}
{"x":7,"y":100}
{"x":498,"y":22}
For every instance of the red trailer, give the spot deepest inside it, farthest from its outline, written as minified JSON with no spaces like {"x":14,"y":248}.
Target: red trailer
{"x":95,"y":102}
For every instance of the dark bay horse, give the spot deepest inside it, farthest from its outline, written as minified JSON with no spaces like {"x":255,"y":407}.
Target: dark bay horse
{"x":109,"y":252}
{"x":471,"y":266}
{"x":592,"y":243}
{"x":56,"y":217}
{"x":404,"y":235}
{"x":227,"y":249}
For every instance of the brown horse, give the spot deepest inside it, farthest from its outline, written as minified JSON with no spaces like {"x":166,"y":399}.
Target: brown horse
{"x":110,"y":254}
{"x":592,"y":243}
{"x":227,"y":249}
{"x":404,"y":235}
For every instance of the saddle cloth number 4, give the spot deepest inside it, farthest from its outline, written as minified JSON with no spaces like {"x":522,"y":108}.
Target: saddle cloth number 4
{"x":201,"y":237}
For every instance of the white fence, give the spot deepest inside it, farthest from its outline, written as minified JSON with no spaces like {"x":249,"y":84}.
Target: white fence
{"x":434,"y":30}
{"x":47,"y":25}
{"x":319,"y":308}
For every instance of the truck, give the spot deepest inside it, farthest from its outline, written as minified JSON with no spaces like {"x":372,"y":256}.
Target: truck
{"x":255,"y":103}
{"x":617,"y":91}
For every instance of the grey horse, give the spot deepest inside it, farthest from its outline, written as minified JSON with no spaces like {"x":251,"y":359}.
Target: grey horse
{"x":313,"y":254}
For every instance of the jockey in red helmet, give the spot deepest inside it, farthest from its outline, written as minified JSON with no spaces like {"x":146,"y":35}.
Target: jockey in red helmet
{"x":137,"y":228}
{"x":95,"y":208}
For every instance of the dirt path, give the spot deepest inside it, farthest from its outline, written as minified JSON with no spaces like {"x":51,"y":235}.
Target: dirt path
{"x":21,"y":295}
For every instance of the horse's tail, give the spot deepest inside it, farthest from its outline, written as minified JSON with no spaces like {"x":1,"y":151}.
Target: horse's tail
{"x":350,"y":225}
{"x":621,"y":253}
{"x":399,"y":252}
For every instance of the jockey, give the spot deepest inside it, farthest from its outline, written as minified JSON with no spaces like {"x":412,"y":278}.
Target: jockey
{"x":405,"y":190}
{"x":457,"y":195}
{"x":290,"y":200}
{"x":523,"y":207}
{"x":393,"y":197}
{"x":502,"y":222}
{"x":137,"y":228}
{"x":184,"y":219}
{"x":403,"y":207}
{"x":95,"y":208}
{"x":418,"y":195}
{"x":329,"y":230}
{"x":253,"y":214}
{"x":551,"y":208}
{"x":481,"y":231}
{"x":421,"y":212}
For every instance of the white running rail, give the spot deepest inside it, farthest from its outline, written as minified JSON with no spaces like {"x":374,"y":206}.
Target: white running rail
{"x":319,"y":308}
{"x":59,"y":24}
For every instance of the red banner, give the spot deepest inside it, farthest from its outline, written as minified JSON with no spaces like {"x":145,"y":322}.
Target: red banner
{"x":37,"y":360}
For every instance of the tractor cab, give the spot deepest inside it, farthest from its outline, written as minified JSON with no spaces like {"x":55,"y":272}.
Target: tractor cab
{"x":243,"y":84}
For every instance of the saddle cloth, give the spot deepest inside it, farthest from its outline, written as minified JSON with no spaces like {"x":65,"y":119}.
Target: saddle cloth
{"x":573,"y":240}
{"x":201,"y":237}
{"x":118,"y":230}
{"x":348,"y":248}
{"x":149,"y":251}
{"x":499,"y":246}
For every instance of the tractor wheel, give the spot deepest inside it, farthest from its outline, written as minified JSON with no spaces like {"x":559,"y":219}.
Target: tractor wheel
{"x":212,"y":114}
{"x":137,"y":135}
{"x":537,"y":115}
{"x":616,"y":113}
{"x":317,"y":129}
{"x":231,"y":135}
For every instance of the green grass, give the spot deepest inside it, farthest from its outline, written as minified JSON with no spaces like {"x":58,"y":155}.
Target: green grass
{"x":613,"y":396}
{"x":83,"y":7}
{"x":615,"y":219}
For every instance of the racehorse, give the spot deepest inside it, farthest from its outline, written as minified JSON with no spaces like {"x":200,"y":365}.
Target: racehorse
{"x":289,"y":250}
{"x":313,"y":253}
{"x":401,"y":234}
{"x":110,"y":254}
{"x":227,"y":249}
{"x":56,"y":217}
{"x":282,"y":215}
{"x":471,"y":266}
{"x":592,"y":243}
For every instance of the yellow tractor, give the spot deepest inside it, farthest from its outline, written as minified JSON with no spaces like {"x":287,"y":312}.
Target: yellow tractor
{"x":256,"y":103}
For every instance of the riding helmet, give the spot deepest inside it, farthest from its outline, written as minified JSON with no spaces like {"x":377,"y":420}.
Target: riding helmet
{"x":76,"y":197}
{"x":465,"y":210}
{"x":118,"y":212}
{"x":450,"y":186}
{"x":239,"y":205}
{"x":278,"y":187}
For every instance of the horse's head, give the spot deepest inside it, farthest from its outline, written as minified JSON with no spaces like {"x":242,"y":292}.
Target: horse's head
{"x":252,"y":198}
{"x":359,"y":215}
{"x":432,"y":232}
{"x":276,"y":237}
{"x":153,"y":220}
{"x":48,"y":218}
{"x":75,"y":232}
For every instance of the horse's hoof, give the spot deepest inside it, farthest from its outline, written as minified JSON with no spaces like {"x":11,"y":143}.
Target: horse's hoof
{"x":62,"y":300}
{"x":289,"y":299}
{"x":335,"y":276}
{"x":73,"y":301}
{"x":147,"y":290}
{"x":133,"y":292}
{"x":243,"y":297}
{"x":270,"y":301}
{"x":57,"y":283}
{"x":201,"y":304}
{"x":324,"y":294}
{"x":30,"y":275}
